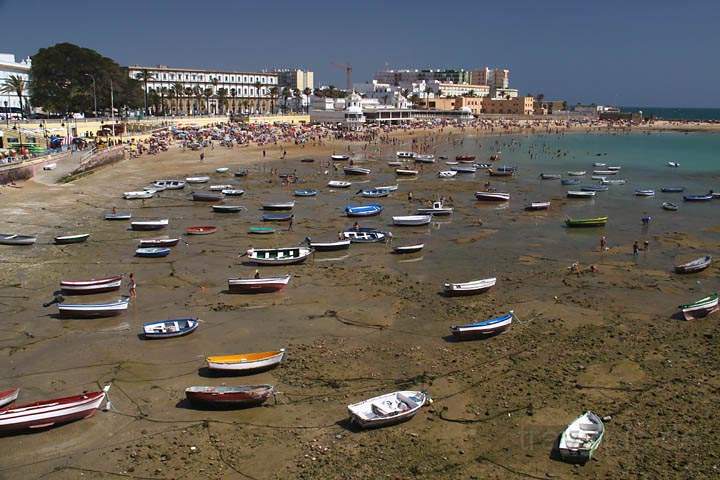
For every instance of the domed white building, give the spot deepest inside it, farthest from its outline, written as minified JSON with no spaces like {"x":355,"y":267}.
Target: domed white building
{"x":354,"y":117}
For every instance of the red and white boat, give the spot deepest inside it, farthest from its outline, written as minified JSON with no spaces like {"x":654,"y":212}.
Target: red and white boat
{"x":158,"y":242}
{"x":8,"y":396}
{"x":95,"y":285}
{"x":227,"y":397}
{"x":257,"y":285}
{"x":47,"y":413}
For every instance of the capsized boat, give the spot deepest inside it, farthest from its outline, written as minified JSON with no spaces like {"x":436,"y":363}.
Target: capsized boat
{"x":93,"y":310}
{"x":87,"y":287}
{"x":15,"y":239}
{"x":586,"y":222}
{"x":246,"y":362}
{"x":48,"y":413}
{"x":577,"y":173}
{"x":225,"y":396}
{"x":176,"y":327}
{"x":581,"y":438}
{"x":257,"y":285}
{"x":278,"y":256}
{"x":700,"y":308}
{"x":411,"y":220}
{"x":469,"y":288}
{"x":68,"y":239}
{"x":491,"y":326}
{"x":694,"y":266}
{"x":387,"y":409}
{"x":363,"y":210}
{"x":492,"y":196}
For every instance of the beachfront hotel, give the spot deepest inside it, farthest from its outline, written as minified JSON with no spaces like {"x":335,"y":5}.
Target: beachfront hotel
{"x":10,"y":102}
{"x":209,"y":91}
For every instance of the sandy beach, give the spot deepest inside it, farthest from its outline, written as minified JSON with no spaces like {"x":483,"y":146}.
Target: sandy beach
{"x":355,"y":325}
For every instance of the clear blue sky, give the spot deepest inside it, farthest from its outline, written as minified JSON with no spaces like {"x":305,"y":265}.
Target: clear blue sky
{"x":631,"y":52}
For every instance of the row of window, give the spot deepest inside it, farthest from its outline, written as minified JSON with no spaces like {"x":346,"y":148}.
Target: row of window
{"x":239,"y":92}
{"x":201,"y":77}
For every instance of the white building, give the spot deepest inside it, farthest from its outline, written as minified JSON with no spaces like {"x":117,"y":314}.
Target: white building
{"x":9,"y":102}
{"x":240,"y":88}
{"x":503,"y":93}
{"x":459,"y":89}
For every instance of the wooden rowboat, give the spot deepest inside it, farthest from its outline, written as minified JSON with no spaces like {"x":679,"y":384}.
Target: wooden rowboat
{"x":201,"y":230}
{"x":388,"y":409}
{"x":15,"y":239}
{"x":246,"y":362}
{"x":700,"y":308}
{"x":469,"y":288}
{"x":402,"y":249}
{"x":8,"y":396}
{"x":581,"y":438}
{"x":257,"y":285}
{"x":158,"y":242}
{"x":488,"y":327}
{"x":586,"y":222}
{"x":670,"y":206}
{"x":697,"y":265}
{"x":48,"y":413}
{"x":93,"y":310}
{"x":338,"y":184}
{"x":68,"y":239}
{"x":176,"y":327}
{"x":144,"y":225}
{"x":86,"y":287}
{"x":229,"y":397}
{"x":228,"y":208}
{"x":278,"y":256}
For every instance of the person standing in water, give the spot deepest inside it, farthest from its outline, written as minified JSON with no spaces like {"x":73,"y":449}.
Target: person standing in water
{"x":132,"y":286}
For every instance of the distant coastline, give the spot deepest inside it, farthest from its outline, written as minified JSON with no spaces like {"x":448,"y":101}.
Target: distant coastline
{"x":678,"y":113}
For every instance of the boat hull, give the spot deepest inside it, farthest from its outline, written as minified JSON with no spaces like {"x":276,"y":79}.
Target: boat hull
{"x":247,"y":367}
{"x":50,"y":413}
{"x":214,"y":397}
{"x":69,"y":239}
{"x":257,"y":285}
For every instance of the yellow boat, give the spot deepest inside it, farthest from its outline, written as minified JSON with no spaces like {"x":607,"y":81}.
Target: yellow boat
{"x":246,"y":362}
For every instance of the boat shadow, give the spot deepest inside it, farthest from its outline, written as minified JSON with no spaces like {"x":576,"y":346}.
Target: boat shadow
{"x":349,"y":426}
{"x":188,"y":405}
{"x":206,"y":372}
{"x":450,"y":338}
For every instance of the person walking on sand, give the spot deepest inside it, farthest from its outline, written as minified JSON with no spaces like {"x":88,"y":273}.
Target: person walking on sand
{"x":202,"y":156}
{"x":257,"y":273}
{"x":646,"y":246}
{"x":603,"y":243}
{"x":410,"y":196}
{"x":132,"y":286}
{"x":290,"y":225}
{"x":636,"y":248}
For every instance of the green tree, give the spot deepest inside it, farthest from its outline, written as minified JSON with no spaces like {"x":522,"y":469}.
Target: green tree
{"x":145,"y":76}
{"x":307,"y":91}
{"x":197,"y":92}
{"x":62,"y":80}
{"x":189,"y":92}
{"x":296,"y":94}
{"x":17,"y":85}
{"x":179,"y":92}
{"x":207,"y":93}
{"x":273,"y":95}
{"x":233,"y":94}
{"x":222,"y":94}
{"x":257,"y":93}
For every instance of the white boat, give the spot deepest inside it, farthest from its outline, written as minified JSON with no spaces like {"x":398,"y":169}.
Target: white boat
{"x":406,"y":154}
{"x":279,"y":205}
{"x":246,"y":362}
{"x":469,"y":288}
{"x":339,"y":158}
{"x":614,"y":168}
{"x":436,"y":209}
{"x":170,"y":184}
{"x":278,"y":256}
{"x":464,"y":168}
{"x":228,"y":208}
{"x":412,"y":220}
{"x":149,"y":224}
{"x":447,"y":173}
{"x":138,"y":195}
{"x":604,"y":172}
{"x":599,"y":164}
{"x":425,"y":159}
{"x":644,"y":193}
{"x":538,"y":206}
{"x":387,"y":409}
{"x":576,"y":173}
{"x":395,"y":163}
{"x":493,"y":196}
{"x":197,"y":179}
{"x":599,"y":177}
{"x":338,"y":184}
{"x":406,"y":171}
{"x":50,"y":166}
{"x":257,"y":285}
{"x":222,"y":170}
{"x":579,"y":194}
{"x":614,"y":181}
{"x":700,"y":308}
{"x":673,"y":164}
{"x":232,"y":192}
{"x":91,"y":310}
{"x":219,"y":188}
{"x":389,"y":188}
{"x":581,"y":438}
{"x":400,"y":249}
{"x":350,"y":170}
{"x":96,"y":285}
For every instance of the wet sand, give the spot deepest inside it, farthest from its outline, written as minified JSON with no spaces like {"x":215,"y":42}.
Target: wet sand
{"x":356,"y":324}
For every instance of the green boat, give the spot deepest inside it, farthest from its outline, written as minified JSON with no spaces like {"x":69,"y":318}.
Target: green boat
{"x":586,"y":222}
{"x":261,"y":230}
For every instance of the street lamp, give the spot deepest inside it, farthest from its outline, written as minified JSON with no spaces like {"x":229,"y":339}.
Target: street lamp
{"x":94,"y":92}
{"x":7,"y":115}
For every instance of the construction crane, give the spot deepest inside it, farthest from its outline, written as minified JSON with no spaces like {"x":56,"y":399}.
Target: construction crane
{"x":348,"y":73}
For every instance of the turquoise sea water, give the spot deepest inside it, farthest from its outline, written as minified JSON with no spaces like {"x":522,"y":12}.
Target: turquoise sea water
{"x":677,"y":113}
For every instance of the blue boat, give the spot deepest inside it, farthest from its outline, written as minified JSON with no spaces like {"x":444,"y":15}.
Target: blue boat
{"x":374,"y":193}
{"x":176,"y":327}
{"x":672,"y":189}
{"x":363,"y":210}
{"x":277,"y":217}
{"x":698,"y":198}
{"x":570,"y":181}
{"x":594,"y":188}
{"x":490,"y":326}
{"x":154,"y":252}
{"x":305,"y":193}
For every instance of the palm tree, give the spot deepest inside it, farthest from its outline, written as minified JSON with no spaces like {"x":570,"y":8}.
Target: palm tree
{"x":17,"y":85}
{"x":207,"y":93}
{"x":188,"y":93}
{"x":163,"y":94}
{"x":179,"y":89}
{"x":296,"y":94}
{"x":273,"y":94}
{"x":145,"y":76}
{"x":197,"y":91}
{"x":245,"y":104}
{"x":257,"y":92}
{"x":214,"y":82}
{"x":233,"y":93}
{"x":427,"y":97}
{"x":307,"y":91}
{"x":222,"y":94}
